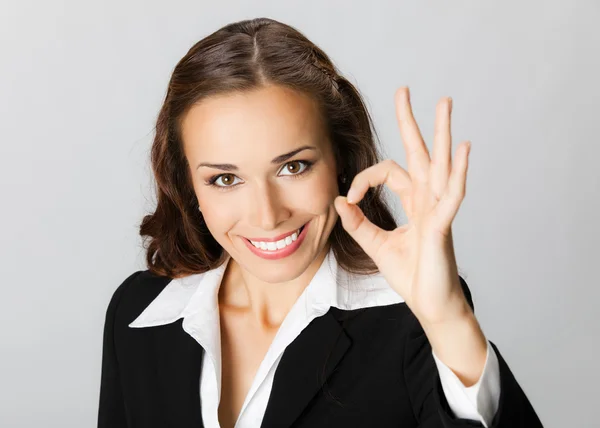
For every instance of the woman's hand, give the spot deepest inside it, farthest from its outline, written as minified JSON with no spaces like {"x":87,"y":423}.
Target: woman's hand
{"x":416,"y":259}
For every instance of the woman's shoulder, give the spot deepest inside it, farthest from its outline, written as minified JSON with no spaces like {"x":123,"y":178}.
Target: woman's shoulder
{"x":134,"y":294}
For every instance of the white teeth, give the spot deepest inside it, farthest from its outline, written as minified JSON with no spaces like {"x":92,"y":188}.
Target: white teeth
{"x":282,"y":243}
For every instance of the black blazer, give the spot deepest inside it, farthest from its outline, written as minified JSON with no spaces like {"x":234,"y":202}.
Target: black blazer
{"x":371,"y":367}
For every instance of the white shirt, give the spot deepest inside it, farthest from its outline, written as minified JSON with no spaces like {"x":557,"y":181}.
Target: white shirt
{"x":195,"y":299}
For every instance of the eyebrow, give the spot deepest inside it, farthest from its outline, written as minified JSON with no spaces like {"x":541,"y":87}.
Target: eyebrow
{"x":276,"y":160}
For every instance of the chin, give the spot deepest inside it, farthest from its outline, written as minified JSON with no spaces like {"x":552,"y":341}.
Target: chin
{"x":277,"y":271}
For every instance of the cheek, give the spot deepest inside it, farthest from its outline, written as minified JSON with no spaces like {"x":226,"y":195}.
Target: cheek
{"x":218,"y":220}
{"x":319,"y":197}
{"x":218,"y":213}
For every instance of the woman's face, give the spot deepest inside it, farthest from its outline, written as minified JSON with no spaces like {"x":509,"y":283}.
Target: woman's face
{"x":272,"y":171}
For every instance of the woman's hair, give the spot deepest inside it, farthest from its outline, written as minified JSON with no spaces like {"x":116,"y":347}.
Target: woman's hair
{"x":245,"y":56}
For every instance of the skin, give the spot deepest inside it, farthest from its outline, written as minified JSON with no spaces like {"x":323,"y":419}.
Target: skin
{"x":260,"y":199}
{"x":417,"y":259}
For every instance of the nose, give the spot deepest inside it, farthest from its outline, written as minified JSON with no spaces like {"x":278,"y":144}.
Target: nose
{"x":267,"y":208}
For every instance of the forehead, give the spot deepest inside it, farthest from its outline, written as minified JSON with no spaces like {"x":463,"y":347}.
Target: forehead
{"x":270,"y":119}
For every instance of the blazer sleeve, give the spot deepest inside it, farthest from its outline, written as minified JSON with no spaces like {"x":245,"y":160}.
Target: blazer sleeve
{"x":428,"y":401}
{"x":111,"y":409}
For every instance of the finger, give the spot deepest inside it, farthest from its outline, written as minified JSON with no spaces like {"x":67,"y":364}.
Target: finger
{"x":441,"y":161}
{"x":416,"y":151}
{"x":369,"y":236}
{"x":447,"y":208}
{"x":385,"y":172}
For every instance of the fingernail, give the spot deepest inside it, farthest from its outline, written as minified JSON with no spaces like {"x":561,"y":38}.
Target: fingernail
{"x":352,"y":196}
{"x":450,"y":103}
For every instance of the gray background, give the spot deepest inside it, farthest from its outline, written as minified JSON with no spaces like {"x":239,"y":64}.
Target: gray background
{"x":81,"y":83}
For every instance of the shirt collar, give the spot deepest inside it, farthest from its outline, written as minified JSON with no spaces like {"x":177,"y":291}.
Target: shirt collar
{"x":331,"y":286}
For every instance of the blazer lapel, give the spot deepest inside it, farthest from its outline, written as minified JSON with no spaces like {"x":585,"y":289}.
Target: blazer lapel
{"x":305,"y":365}
{"x":179,"y":362}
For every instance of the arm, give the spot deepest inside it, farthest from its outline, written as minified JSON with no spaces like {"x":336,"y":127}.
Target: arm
{"x":111,"y":409}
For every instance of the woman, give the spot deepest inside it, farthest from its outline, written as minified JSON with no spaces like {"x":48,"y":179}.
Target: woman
{"x":279,"y":296}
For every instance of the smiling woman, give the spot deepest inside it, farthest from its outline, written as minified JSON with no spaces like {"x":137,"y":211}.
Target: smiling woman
{"x":271,"y":299}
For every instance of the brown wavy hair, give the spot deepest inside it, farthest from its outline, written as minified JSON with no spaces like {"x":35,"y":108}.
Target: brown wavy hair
{"x":244,"y":56}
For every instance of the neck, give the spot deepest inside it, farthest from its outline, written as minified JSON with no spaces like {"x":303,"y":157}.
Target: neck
{"x":267,"y":303}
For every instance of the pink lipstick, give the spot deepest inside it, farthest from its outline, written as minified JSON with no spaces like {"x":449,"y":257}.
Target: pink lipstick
{"x":281,"y":252}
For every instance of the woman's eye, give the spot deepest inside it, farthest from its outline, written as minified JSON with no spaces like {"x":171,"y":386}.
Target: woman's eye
{"x":228,"y":180}
{"x":294,"y":171}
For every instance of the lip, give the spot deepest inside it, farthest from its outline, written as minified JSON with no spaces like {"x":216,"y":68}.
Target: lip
{"x":277,"y":238}
{"x":281,"y":253}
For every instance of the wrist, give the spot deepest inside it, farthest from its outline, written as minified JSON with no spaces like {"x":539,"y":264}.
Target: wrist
{"x":461,"y":345}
